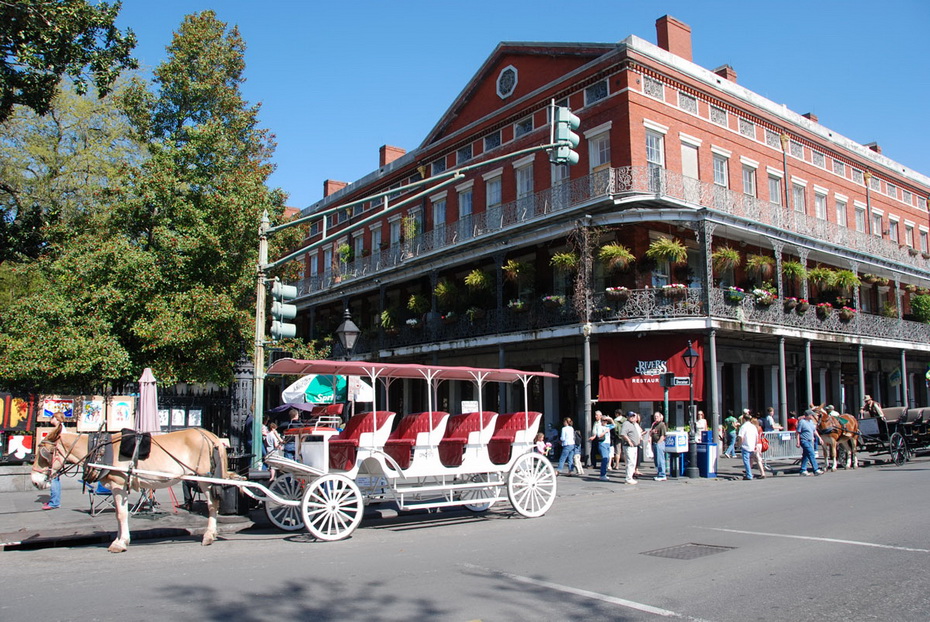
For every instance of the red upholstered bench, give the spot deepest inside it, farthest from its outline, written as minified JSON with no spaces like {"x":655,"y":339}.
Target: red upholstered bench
{"x":343,"y":447}
{"x":460,"y":427}
{"x":402,"y":440}
{"x":505,"y":433}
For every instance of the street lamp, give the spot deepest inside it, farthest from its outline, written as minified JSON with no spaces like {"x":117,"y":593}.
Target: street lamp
{"x":690,"y":357}
{"x":348,"y":334}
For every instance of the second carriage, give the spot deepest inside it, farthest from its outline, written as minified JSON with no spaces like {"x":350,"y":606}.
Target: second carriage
{"x":900,"y":433}
{"x":430,"y":459}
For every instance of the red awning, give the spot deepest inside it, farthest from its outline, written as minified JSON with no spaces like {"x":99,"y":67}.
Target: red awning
{"x":631,"y":366}
{"x":296,"y":367}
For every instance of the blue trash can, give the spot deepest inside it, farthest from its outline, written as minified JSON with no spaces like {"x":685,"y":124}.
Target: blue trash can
{"x":707,"y":436}
{"x":707,"y":459}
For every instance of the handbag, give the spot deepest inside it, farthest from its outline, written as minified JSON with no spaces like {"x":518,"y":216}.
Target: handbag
{"x":763,"y":444}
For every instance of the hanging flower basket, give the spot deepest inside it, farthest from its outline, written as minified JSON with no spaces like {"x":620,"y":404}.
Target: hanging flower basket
{"x":824,"y":309}
{"x":391,"y":332}
{"x":553,"y":302}
{"x":790,"y":303}
{"x":734,"y":295}
{"x":518,"y":306}
{"x":414,"y":323}
{"x":675,"y":290}
{"x":847,"y":314}
{"x":617,"y":293}
{"x":763,"y":297}
{"x":802,"y":307}
{"x":450,"y":318}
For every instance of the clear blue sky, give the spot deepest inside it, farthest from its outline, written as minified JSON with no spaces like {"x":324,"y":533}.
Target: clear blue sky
{"x":337,"y":80}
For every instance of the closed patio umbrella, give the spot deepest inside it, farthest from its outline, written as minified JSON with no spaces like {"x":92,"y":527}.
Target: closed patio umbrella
{"x":147,"y":415}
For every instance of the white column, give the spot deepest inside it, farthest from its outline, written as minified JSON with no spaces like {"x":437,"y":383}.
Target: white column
{"x":822,"y":374}
{"x":720,"y":393}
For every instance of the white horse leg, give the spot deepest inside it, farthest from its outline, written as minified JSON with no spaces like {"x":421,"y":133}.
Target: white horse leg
{"x":213,"y":506}
{"x":121,"y":544}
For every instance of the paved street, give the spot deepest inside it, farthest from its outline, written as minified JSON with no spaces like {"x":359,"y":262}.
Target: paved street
{"x":844,"y":546}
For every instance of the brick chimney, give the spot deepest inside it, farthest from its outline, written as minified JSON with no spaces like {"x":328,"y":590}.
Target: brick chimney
{"x":388,"y":154}
{"x":331,"y":186}
{"x":811,"y":116}
{"x":874,"y":147}
{"x":674,"y":36}
{"x":725,"y":71}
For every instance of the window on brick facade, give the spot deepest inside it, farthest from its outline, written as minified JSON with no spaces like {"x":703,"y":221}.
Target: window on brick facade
{"x":907,"y":196}
{"x":909,"y":235}
{"x":599,"y":151}
{"x":839,"y":168}
{"x":523,"y":126}
{"x":439,"y":166}
{"x":595,"y":93}
{"x":924,"y":241}
{"x":875,"y":183}
{"x":772,"y":139}
{"x":655,"y":150}
{"x":718,"y":115}
{"x":463,"y":154}
{"x":858,"y":176}
{"x":796,"y":149}
{"x":749,"y":181}
{"x":492,"y":141}
{"x":524,"y":176}
{"x":721,"y":172}
{"x":877,"y":224}
{"x":891,"y":190}
{"x":774,"y":190}
{"x":747,"y":128}
{"x":841,"y":213}
{"x":860,"y":219}
{"x":492,"y":191}
{"x":688,"y":103}
{"x":799,"y":193}
{"x":818,"y":159}
{"x":894,"y":231}
{"x":653,"y":88}
{"x":820,"y":205}
{"x":689,"y":161}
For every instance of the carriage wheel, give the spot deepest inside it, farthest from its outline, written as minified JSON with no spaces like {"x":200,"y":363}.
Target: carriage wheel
{"x":286,"y":517}
{"x":332,"y":507}
{"x":478,"y":494}
{"x":897,"y":447}
{"x":531,"y":485}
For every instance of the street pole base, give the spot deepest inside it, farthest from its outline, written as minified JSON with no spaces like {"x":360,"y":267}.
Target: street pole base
{"x":692,"y":472}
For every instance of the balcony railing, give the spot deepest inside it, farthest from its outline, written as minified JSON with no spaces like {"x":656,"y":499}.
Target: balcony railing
{"x":616,"y":183}
{"x":658,"y":304}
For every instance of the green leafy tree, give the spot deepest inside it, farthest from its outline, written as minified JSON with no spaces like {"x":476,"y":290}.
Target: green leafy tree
{"x":43,"y":40}
{"x":164,"y":271}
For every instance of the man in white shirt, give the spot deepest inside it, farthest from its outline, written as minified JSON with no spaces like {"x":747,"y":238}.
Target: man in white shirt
{"x":748,"y":439}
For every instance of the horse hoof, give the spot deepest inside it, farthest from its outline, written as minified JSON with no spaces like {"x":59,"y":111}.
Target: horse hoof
{"x":117,"y":547}
{"x":207,"y":540}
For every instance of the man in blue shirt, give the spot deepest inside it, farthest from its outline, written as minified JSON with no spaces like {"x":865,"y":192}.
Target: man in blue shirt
{"x":807,"y":432}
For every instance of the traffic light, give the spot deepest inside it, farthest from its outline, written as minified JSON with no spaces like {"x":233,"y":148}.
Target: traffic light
{"x":567,"y":140}
{"x":281,"y":311}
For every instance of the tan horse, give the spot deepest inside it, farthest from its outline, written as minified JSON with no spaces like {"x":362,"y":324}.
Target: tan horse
{"x":836,"y":430}
{"x":186,"y":452}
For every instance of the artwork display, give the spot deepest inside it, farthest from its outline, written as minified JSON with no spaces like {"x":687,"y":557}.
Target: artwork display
{"x":178,"y":419}
{"x":193,"y":418}
{"x":91,"y":417}
{"x":52,"y":405}
{"x":164,"y":418}
{"x":121,"y":413}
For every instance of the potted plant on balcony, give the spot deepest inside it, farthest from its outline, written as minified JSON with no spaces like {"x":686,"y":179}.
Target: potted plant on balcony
{"x":734,"y":295}
{"x":565,"y":261}
{"x":553,"y":301}
{"x":417,"y":304}
{"x":473,"y":314}
{"x":910,"y":288}
{"x":389,"y":321}
{"x":617,"y":293}
{"x":517,"y":271}
{"x":847,"y":314}
{"x":517,"y":305}
{"x":725,"y":258}
{"x":667,"y":249}
{"x":821,"y":276}
{"x":793,"y":272}
{"x":446,"y":293}
{"x":763,"y":297}
{"x":615,"y":256}
{"x":790,"y":303}
{"x":762,"y":266}
{"x":803,"y":306}
{"x":845,"y":280}
{"x":675,"y":290}
{"x":414,"y":323}
{"x":478,"y":280}
{"x":450,"y":317}
{"x":824,"y":309}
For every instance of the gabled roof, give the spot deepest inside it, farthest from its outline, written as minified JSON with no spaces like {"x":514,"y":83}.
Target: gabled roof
{"x":537,"y":64}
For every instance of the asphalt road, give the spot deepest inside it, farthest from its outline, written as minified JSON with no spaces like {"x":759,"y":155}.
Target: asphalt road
{"x":844,"y":546}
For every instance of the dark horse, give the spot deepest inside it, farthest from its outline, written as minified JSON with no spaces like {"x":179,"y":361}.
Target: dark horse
{"x":836,"y":430}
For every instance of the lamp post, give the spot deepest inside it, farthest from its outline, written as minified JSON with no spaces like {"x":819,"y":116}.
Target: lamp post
{"x":348,"y":334}
{"x":690,"y":357}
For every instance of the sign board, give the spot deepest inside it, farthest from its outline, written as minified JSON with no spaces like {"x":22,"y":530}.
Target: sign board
{"x":682,"y":381}
{"x":469,"y":406}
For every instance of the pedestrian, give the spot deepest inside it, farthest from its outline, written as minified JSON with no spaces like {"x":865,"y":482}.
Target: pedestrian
{"x":290,"y":440}
{"x":759,"y":451}
{"x":273,"y":442}
{"x":616,"y":449}
{"x":700,"y":425}
{"x":657,"y":435}
{"x":601,"y":434}
{"x":807,"y":432}
{"x":540,"y":445}
{"x":793,"y":421}
{"x":568,"y":445}
{"x":54,"y":495}
{"x":768,"y":421}
{"x":631,"y":437}
{"x":748,"y":437}
{"x":731,"y":424}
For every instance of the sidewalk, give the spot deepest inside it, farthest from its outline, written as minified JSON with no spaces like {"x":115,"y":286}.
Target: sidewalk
{"x":25,"y":525}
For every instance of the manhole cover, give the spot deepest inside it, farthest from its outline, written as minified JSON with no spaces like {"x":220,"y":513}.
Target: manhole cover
{"x":689,"y":551}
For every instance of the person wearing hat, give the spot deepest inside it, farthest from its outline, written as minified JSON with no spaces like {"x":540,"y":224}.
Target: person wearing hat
{"x":631,"y":437}
{"x":871,"y":408}
{"x":807,"y":432}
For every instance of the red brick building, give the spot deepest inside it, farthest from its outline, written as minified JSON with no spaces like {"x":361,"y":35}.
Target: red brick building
{"x":712,"y":189}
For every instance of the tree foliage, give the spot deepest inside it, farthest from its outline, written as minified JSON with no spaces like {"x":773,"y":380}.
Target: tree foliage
{"x":162,"y":274}
{"x":43,"y":40}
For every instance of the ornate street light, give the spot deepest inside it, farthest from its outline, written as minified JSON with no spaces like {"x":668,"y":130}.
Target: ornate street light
{"x":690,"y":357}
{"x":348,"y":334}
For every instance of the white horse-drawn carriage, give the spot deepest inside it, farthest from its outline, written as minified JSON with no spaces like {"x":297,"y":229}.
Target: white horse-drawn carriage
{"x":429,"y":459}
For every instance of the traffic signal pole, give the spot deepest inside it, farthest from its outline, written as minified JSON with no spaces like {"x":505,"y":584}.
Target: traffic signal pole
{"x":258,"y":377}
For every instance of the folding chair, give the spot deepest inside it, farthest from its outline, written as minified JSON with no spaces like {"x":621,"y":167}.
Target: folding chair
{"x":100,"y":497}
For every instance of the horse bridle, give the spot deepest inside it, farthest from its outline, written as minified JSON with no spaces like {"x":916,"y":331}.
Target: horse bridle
{"x":50,"y":471}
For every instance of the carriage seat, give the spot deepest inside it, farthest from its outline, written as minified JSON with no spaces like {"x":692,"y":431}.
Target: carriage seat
{"x":367,"y":429}
{"x":415,"y":430}
{"x":465,"y":429}
{"x":511,"y":428}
